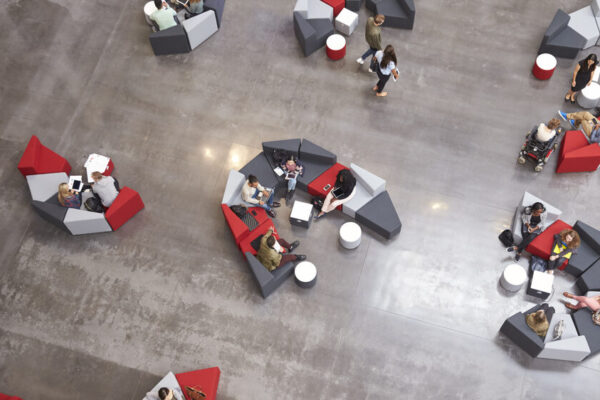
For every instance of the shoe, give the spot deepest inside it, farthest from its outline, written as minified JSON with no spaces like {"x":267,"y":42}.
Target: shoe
{"x":572,"y":122}
{"x":271,"y":213}
{"x":517,"y":257}
{"x":360,"y":60}
{"x":301,"y":257}
{"x":294,"y":245}
{"x":572,"y":101}
{"x":370,"y":70}
{"x":509,"y":249}
{"x":289,"y":196}
{"x":563,"y":115}
{"x":276,"y":204}
{"x":318,"y":217}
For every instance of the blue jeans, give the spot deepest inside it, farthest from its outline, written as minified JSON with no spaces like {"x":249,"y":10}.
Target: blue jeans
{"x":268,"y":203}
{"x":368,"y":53}
{"x":291,"y":184}
{"x":595,"y":136}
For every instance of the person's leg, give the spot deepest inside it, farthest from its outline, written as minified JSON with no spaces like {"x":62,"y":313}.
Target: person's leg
{"x":291,"y":184}
{"x":380,"y":76}
{"x":283,"y":243}
{"x":381,"y":84}
{"x":368,"y":53}
{"x":287,"y":258}
{"x":527,"y":238}
{"x":585,"y":118}
{"x":326,"y":204}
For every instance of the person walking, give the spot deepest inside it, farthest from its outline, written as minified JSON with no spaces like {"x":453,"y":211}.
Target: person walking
{"x":373,"y":37}
{"x":582,"y":76}
{"x":385,"y":63}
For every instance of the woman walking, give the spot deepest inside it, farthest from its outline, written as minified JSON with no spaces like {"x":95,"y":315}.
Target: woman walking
{"x":582,"y":76}
{"x":385,"y":65}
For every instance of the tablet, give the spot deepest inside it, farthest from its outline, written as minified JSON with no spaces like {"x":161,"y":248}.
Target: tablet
{"x":76,"y":183}
{"x":337,"y":192}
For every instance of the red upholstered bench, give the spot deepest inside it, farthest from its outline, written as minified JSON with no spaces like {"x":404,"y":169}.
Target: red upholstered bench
{"x":7,"y":397}
{"x":577,"y":154}
{"x":541,"y":246}
{"x":315,"y":188}
{"x":239,"y":230}
{"x":109,"y":168}
{"x":38,"y":159}
{"x":206,"y":380}
{"x":338,"y":5}
{"x":246,"y":244}
{"x":125,"y":206}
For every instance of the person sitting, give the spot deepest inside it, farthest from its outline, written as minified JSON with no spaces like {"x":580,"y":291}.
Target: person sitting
{"x":67,"y":197}
{"x":193,"y":8}
{"x":170,"y":394}
{"x":565,"y":244}
{"x":546,"y":132}
{"x":533,"y":223}
{"x":164,"y":16}
{"x":587,"y":121}
{"x":593,"y":303}
{"x":105,"y":187}
{"x":292,"y":168}
{"x":343,"y":190}
{"x":254,"y":194}
{"x":270,"y":251}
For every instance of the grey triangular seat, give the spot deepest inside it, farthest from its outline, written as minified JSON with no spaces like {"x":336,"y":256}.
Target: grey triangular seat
{"x":586,"y":327}
{"x":42,"y":186}
{"x":588,"y":252}
{"x":233,"y":188}
{"x":313,"y":152}
{"x":380,"y":215}
{"x":260,"y":167}
{"x":590,"y":279}
{"x":268,"y":281}
{"x":80,"y":222}
{"x":51,"y":212}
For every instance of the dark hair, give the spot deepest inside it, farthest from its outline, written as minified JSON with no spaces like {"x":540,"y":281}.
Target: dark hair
{"x":158,"y":4}
{"x":163,"y":391}
{"x":343,"y":175}
{"x":271,"y":241}
{"x":591,"y":57}
{"x":537,"y":206}
{"x":252,"y":179}
{"x":389,"y":54}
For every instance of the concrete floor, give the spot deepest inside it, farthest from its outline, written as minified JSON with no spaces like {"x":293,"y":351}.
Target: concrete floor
{"x":104,"y":316}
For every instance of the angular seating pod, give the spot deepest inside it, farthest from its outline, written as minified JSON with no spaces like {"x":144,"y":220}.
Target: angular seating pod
{"x":170,"y":41}
{"x":199,"y":28}
{"x":43,"y":188}
{"x":560,"y":39}
{"x":218,"y":6}
{"x":206,"y":380}
{"x":541,"y":245}
{"x":577,"y":154}
{"x":527,"y":200}
{"x":268,"y":281}
{"x":586,"y":327}
{"x":517,"y":330}
{"x":587,"y":253}
{"x":398,"y":13}
{"x":311,"y":33}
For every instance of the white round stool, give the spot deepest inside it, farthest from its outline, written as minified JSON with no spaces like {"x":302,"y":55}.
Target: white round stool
{"x":513,"y":277}
{"x":350,"y":234}
{"x":589,"y":96}
{"x":335,"y":46}
{"x":306,"y":274}
{"x":149,"y":8}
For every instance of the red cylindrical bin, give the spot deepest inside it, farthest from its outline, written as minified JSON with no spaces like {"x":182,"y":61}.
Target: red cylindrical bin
{"x":544,"y":66}
{"x":336,"y":47}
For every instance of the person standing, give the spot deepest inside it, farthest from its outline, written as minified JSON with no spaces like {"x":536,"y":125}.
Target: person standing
{"x":373,"y":37}
{"x":582,"y":76}
{"x":386,"y":65}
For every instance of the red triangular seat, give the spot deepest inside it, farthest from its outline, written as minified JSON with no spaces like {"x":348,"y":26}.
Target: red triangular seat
{"x":205,"y":379}
{"x":541,"y":246}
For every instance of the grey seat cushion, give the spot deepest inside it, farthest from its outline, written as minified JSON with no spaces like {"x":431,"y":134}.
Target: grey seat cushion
{"x":588,"y":252}
{"x":42,"y":186}
{"x":200,"y":28}
{"x":586,"y":327}
{"x":268,"y":281}
{"x":517,"y":330}
{"x":218,"y":6}
{"x":312,"y":170}
{"x":590,"y":279}
{"x":260,"y":167}
{"x":380,"y":215}
{"x":170,"y":41}
{"x":313,"y":152}
{"x":52,"y":212}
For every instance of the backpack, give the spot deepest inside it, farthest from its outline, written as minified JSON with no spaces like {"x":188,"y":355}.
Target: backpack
{"x":506,"y":237}
{"x":93,"y":204}
{"x":317,"y":203}
{"x":538,"y":264}
{"x":239,"y":210}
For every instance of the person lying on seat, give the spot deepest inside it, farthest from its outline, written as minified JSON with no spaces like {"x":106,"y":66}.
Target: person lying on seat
{"x":271,"y":249}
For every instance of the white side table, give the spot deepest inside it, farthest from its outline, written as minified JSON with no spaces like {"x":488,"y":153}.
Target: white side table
{"x":513,"y":277}
{"x":350,"y":234}
{"x":306,"y":274}
{"x":589,"y":96}
{"x":346,"y":21}
{"x":541,"y":285}
{"x":301,"y":214}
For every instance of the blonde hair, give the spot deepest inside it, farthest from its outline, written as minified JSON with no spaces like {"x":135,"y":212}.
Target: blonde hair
{"x":573,"y":244}
{"x":195,"y":1}
{"x":97,"y":175}
{"x":63,"y":192}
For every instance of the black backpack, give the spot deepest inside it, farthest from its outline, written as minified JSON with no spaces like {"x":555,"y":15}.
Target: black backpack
{"x":239,"y":210}
{"x":506,"y":237}
{"x":93,"y":204}
{"x":280,"y":156}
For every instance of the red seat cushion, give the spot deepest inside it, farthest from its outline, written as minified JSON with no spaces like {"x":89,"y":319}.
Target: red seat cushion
{"x":205,"y":379}
{"x":541,"y":246}
{"x":582,"y":159}
{"x":246,"y":244}
{"x":572,"y":140}
{"x":338,"y":5}
{"x":109,"y":168}
{"x":125,"y":206}
{"x":315,"y":188}
{"x":238,"y":228}
{"x":7,"y":397}
{"x":38,"y":159}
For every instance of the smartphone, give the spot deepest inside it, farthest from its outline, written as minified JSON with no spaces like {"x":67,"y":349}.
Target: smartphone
{"x":327,"y":187}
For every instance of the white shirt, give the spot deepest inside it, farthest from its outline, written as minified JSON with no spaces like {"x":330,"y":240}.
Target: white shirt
{"x":390,"y":67}
{"x":544,"y":134}
{"x":248,"y":191}
{"x":105,"y":188}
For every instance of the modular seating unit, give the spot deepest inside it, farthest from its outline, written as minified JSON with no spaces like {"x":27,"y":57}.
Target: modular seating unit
{"x":354,"y":5}
{"x":170,"y":41}
{"x":517,"y":330}
{"x":577,"y":154}
{"x":398,"y":13}
{"x":588,"y":252}
{"x":541,"y":246}
{"x":313,"y":24}
{"x":206,"y":380}
{"x":590,"y":279}
{"x":560,"y":39}
{"x":586,"y":327}
{"x":199,"y":28}
{"x":218,"y":7}
{"x":38,"y":159}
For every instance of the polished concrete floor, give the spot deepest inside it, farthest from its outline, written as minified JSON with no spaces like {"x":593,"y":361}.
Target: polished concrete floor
{"x":104,"y":316}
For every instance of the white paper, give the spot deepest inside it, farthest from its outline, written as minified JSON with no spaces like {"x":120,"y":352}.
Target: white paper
{"x":95,"y":162}
{"x":278,"y":171}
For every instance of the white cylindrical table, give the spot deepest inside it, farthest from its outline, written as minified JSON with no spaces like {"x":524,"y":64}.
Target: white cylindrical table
{"x":513,"y":277}
{"x":589,"y":96}
{"x":306,"y":274}
{"x":149,"y":8}
{"x":350,"y":234}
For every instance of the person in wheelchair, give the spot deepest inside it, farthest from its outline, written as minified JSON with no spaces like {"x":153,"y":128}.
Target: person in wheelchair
{"x":540,"y":143}
{"x":546,"y":132}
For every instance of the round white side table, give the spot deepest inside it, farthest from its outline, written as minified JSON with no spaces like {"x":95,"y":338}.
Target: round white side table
{"x":306,"y":274}
{"x":513,"y":277}
{"x":350,"y":234}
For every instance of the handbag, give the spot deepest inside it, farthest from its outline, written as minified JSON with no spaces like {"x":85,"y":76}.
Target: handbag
{"x":596,"y":317}
{"x":506,"y":237}
{"x":239,"y":210}
{"x":317,"y":203}
{"x":195,"y":393}
{"x":373,"y":65}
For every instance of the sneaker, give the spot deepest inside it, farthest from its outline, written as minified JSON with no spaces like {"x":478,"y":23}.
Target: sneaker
{"x":271,"y":213}
{"x":509,"y":249}
{"x":294,"y":245}
{"x":517,"y":257}
{"x":301,"y":257}
{"x":276,"y":204}
{"x":563,"y":115}
{"x":370,"y":70}
{"x":572,"y":122}
{"x":360,"y":60}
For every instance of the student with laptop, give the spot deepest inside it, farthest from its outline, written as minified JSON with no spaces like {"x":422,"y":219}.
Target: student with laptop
{"x":258,"y":196}
{"x":67,"y":197}
{"x":292,"y":168}
{"x":343,"y":190}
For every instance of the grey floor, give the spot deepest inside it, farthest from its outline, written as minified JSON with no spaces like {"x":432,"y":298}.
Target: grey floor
{"x":104,"y":316}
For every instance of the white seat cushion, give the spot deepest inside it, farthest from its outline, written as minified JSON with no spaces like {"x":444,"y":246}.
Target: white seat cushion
{"x":43,"y":186}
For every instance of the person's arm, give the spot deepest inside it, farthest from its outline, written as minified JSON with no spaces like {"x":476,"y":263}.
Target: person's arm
{"x":575,"y":72}
{"x":395,"y":72}
{"x":246,"y":196}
